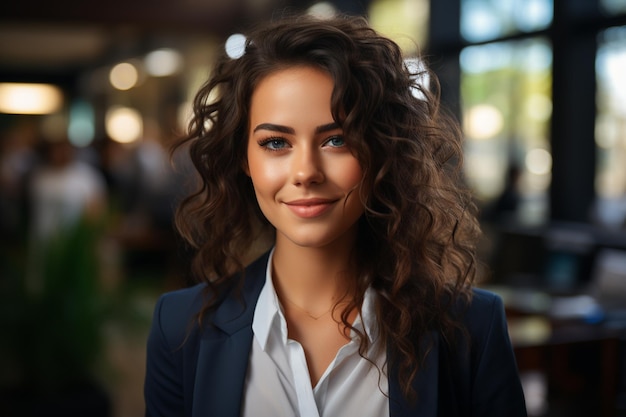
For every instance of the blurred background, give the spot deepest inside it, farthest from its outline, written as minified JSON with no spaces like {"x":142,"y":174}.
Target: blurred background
{"x":92,"y":95}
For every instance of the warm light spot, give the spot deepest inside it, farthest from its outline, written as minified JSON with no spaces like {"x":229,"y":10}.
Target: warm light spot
{"x":607,"y":132}
{"x":483,"y":121}
{"x":404,"y":21}
{"x":163,"y":62}
{"x":20,"y":98}
{"x":538,"y":161}
{"x":124,"y":76}
{"x":322,"y":10}
{"x":124,"y":124}
{"x":539,"y":107}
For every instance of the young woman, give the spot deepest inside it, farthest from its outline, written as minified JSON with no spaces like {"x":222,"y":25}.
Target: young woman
{"x":321,"y":138}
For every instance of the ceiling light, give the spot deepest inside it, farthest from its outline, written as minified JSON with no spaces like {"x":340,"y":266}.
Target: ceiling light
{"x":21,"y":98}
{"x":123,"y":124}
{"x":163,"y":62}
{"x":123,"y":76}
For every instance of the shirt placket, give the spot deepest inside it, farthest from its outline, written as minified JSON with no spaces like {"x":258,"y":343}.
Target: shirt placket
{"x":302,"y":381}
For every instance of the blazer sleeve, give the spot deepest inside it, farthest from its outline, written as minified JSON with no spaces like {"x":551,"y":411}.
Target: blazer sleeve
{"x":163,"y":385}
{"x":496,"y":387}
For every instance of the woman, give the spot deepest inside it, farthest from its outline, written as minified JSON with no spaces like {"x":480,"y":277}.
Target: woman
{"x":320,"y":137}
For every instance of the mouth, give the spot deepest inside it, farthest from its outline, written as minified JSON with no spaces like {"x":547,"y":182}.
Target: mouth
{"x":311,"y":207}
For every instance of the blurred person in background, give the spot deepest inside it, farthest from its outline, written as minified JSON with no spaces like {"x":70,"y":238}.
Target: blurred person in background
{"x":63,"y":191}
{"x":140,"y":183}
{"x":321,"y":139}
{"x":17,"y":159}
{"x":504,"y":208}
{"x":142,"y":189}
{"x":52,"y":304}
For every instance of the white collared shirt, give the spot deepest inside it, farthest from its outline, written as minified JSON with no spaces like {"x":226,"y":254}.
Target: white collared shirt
{"x":278,"y":382}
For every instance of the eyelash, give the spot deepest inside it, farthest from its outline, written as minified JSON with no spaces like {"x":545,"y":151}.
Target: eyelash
{"x":336,"y":137}
{"x":267,"y":141}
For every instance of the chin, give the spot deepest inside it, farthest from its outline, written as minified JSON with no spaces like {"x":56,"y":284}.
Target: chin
{"x":311,"y":243}
{"x":314,"y":240}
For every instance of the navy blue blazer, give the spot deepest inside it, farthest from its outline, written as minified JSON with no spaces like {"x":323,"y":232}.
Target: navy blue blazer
{"x":201,"y":373}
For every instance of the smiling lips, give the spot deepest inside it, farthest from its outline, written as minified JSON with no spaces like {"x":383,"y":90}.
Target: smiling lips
{"x":308,"y":208}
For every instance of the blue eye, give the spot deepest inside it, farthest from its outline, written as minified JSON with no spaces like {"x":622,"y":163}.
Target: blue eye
{"x":336,"y":141}
{"x":273,"y":144}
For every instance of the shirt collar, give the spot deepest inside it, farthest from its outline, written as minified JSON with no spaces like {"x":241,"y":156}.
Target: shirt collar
{"x":368,"y":315}
{"x":268,"y":309}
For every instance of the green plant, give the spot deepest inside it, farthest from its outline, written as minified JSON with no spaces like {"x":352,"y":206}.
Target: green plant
{"x":57,"y":309}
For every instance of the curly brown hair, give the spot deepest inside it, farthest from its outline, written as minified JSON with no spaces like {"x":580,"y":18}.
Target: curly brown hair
{"x":416,"y":243}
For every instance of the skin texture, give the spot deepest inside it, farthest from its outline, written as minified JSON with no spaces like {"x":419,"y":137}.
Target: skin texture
{"x":304,"y":175}
{"x":306,"y":182}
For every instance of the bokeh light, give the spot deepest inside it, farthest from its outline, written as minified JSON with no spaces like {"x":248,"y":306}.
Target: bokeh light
{"x":538,"y":161}
{"x":123,"y":124}
{"x":483,"y":121}
{"x":24,"y":98}
{"x":163,"y":62}
{"x":235,"y":45}
{"x":124,"y":76}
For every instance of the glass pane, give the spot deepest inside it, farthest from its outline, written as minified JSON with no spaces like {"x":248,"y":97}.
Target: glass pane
{"x":613,"y":6}
{"x":506,"y":106}
{"x":404,"y":21}
{"x":483,"y":20}
{"x":611,"y":126}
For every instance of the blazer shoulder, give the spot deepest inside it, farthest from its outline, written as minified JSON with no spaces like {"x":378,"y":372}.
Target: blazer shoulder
{"x":483,"y":314}
{"x":175,"y":311}
{"x":483,"y":304}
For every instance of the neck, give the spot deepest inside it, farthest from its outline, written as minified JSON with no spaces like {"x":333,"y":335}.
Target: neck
{"x":314,"y":279}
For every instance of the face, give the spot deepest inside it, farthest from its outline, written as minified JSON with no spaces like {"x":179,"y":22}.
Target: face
{"x":305,"y":177}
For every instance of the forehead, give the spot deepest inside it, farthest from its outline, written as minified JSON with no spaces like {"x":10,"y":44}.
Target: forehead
{"x":292,"y":91}
{"x":294,"y":73}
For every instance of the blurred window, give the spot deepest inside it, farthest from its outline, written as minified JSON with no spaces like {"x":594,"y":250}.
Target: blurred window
{"x":613,"y":6}
{"x":506,"y":109}
{"x":611,"y":114}
{"x":404,"y":21}
{"x":483,"y":20}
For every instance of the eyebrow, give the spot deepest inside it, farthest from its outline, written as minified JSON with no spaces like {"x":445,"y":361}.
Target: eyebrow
{"x":289,"y":130}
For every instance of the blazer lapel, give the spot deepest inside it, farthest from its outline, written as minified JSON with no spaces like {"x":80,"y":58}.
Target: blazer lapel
{"x":425,"y":384}
{"x":225,"y":348}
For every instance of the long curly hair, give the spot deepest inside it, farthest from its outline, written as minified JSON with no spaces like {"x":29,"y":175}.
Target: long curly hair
{"x":416,"y":243}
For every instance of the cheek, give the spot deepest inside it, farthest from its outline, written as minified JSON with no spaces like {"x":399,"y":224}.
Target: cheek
{"x":266,"y":177}
{"x":351,"y":174}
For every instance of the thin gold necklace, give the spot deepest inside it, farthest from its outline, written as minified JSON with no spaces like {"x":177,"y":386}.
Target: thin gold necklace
{"x":306,"y":311}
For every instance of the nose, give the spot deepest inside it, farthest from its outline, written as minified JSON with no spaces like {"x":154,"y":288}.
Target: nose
{"x":307,"y":168}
